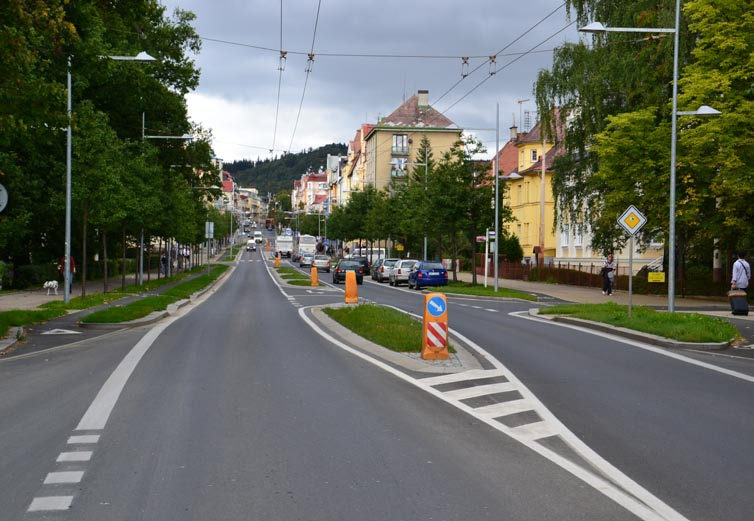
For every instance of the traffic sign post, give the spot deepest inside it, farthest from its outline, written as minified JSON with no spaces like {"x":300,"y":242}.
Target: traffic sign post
{"x":435,"y":327}
{"x":632,"y":220}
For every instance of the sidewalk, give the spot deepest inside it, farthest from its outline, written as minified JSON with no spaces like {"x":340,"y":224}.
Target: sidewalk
{"x":593,"y":295}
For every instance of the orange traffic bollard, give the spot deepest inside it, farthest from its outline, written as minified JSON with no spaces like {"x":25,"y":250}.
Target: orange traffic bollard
{"x":315,"y":278}
{"x":267,"y":246}
{"x":352,"y":292}
{"x":277,"y":261}
{"x":435,"y":327}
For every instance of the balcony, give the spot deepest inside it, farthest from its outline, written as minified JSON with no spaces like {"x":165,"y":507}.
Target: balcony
{"x":399,"y":150}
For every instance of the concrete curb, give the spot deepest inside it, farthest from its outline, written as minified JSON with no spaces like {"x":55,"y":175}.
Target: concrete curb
{"x":15,"y":333}
{"x":634,"y":335}
{"x":462,"y":360}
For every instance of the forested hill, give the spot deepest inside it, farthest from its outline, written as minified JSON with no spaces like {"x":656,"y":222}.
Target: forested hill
{"x":275,"y":175}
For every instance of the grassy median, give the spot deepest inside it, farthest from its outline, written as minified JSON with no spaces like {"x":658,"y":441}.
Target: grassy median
{"x":684,"y":327}
{"x":384,"y":326}
{"x":144,"y":306}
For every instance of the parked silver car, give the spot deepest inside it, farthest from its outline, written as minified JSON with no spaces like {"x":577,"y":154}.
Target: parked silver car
{"x":386,"y":268}
{"x":400,"y":271}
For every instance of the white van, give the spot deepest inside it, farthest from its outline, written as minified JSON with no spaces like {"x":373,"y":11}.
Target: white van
{"x":258,"y":237}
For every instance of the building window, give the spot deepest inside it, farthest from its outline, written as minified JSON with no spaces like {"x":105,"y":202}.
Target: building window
{"x":400,"y":144}
{"x":519,"y":232}
{"x":534,"y":156}
{"x":398,"y":167}
{"x":526,"y":234}
{"x":578,"y":237}
{"x":564,"y":236}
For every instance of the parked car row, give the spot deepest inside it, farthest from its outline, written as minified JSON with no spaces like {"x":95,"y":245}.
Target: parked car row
{"x":415,"y":273}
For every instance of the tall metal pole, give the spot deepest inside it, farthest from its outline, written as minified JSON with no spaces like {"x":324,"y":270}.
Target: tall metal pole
{"x":67,"y":248}
{"x":673,"y":138}
{"x":497,"y":193}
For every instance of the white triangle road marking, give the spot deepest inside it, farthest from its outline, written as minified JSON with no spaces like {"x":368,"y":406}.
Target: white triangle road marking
{"x":61,"y":332}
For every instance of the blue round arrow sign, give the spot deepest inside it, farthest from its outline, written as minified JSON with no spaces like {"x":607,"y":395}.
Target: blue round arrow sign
{"x":436,"y":306}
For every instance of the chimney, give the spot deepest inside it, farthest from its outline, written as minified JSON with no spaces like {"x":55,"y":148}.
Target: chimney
{"x":423,"y":98}
{"x":514,"y":133}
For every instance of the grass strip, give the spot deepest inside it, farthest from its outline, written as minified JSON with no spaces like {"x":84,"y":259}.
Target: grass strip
{"x":299,"y":282}
{"x":684,"y":327}
{"x":467,"y":288}
{"x":143,"y":307}
{"x":138,"y":309}
{"x":24,"y":317}
{"x":384,"y":326}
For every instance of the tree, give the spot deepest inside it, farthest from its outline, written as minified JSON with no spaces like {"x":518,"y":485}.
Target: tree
{"x":618,"y":73}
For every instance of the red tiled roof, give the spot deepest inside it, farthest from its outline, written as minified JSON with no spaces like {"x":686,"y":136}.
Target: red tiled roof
{"x":227,"y":186}
{"x":410,"y":114}
{"x":320,"y":198}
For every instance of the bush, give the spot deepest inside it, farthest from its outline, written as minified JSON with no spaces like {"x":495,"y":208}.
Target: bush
{"x":32,"y":275}
{"x":6,"y":274}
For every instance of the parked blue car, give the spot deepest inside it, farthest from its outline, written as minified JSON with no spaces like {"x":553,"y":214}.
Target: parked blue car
{"x":427,"y":273}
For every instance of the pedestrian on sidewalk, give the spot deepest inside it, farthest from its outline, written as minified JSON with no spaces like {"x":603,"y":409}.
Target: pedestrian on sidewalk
{"x":741,"y":272}
{"x":608,"y":275}
{"x":71,"y":269}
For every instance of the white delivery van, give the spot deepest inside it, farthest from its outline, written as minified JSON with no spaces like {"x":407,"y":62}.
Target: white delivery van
{"x":258,"y":237}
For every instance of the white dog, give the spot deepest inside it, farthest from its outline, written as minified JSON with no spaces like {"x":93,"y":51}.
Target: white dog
{"x":51,"y":285}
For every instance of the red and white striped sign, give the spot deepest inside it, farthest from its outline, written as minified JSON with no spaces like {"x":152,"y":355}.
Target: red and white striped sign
{"x":437,"y":334}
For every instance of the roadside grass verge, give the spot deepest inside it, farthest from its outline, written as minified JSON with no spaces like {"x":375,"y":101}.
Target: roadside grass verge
{"x":467,"y":288}
{"x":291,"y":274}
{"x":300,"y":282}
{"x":384,"y":326}
{"x":684,"y":327}
{"x":143,"y":307}
{"x":140,"y":308}
{"x":24,"y":317}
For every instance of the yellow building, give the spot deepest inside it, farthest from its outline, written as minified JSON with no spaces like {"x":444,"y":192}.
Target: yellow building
{"x":564,"y":244}
{"x":530,"y":200}
{"x":390,"y":147}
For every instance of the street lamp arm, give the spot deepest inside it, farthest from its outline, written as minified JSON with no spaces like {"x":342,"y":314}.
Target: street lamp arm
{"x":597,"y":27}
{"x":184,"y":136}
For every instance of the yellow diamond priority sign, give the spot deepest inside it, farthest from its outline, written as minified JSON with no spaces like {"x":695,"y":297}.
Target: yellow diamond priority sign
{"x":632,"y":220}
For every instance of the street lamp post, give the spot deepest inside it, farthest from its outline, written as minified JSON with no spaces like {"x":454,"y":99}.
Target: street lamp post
{"x":597,"y":27}
{"x":141,"y":57}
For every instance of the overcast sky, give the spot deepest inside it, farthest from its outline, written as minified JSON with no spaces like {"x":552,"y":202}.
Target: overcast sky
{"x":421,"y":41}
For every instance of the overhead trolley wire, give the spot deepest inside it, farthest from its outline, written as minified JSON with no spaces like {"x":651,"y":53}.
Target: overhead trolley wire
{"x":308,"y":71}
{"x":281,"y":67}
{"x":499,"y":53}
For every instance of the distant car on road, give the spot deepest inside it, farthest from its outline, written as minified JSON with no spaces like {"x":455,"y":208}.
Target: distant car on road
{"x":364,"y":261}
{"x":321,"y":262}
{"x":345,"y":265}
{"x":251,"y":246}
{"x":427,"y":273}
{"x":401,"y":270}
{"x":306,"y":259}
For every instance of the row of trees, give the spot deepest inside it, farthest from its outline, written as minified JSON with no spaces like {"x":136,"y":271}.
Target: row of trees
{"x":616,"y":94}
{"x":121,"y":183}
{"x":450,"y":203}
